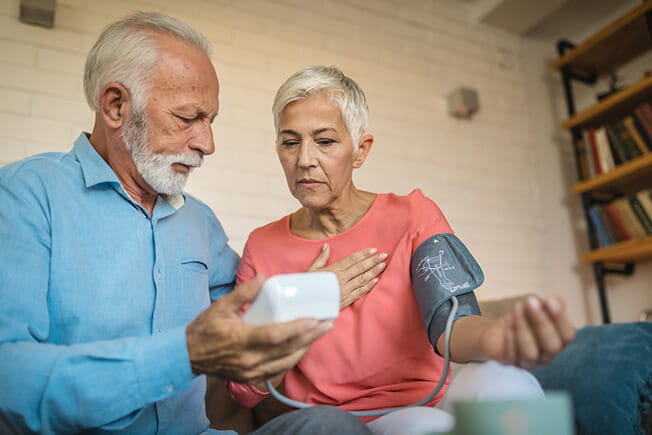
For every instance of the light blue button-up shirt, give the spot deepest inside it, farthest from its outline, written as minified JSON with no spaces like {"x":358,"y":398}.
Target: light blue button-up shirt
{"x":95,"y":297}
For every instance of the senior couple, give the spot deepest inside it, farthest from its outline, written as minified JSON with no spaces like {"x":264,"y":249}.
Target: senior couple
{"x":118,"y":292}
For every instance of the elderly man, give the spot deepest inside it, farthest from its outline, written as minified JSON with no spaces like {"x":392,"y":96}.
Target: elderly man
{"x":106,"y":266}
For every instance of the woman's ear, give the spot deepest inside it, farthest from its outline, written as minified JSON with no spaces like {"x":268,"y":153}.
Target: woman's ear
{"x":115,"y":104}
{"x":364,"y":147}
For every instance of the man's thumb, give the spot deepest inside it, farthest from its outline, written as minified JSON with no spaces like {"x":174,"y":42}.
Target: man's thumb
{"x":243,"y":294}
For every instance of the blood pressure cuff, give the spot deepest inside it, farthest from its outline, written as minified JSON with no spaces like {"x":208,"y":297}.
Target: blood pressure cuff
{"x":441,"y":268}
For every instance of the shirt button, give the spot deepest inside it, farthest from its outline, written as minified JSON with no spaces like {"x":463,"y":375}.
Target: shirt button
{"x":169,"y":388}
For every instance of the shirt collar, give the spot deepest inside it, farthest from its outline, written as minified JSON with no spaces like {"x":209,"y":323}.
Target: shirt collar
{"x":97,"y":171}
{"x":94,"y":168}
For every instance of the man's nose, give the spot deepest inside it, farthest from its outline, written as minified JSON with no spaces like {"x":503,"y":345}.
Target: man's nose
{"x":203,"y":140}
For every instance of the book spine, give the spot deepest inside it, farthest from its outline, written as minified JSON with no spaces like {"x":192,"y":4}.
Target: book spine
{"x":620,"y":153}
{"x":628,"y":122}
{"x":599,"y":227}
{"x":645,"y":198}
{"x":617,"y":221}
{"x":643,"y":218}
{"x":597,"y":165}
{"x":645,"y":136}
{"x":580,"y":149}
{"x":634,"y":227}
{"x":604,"y":151}
{"x":632,"y":150}
{"x":590,"y":165}
{"x":644,"y":114}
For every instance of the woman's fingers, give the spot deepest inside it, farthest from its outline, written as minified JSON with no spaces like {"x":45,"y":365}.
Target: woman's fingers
{"x":353,"y":265}
{"x":321,"y":259}
{"x":527,"y":348}
{"x":356,"y":273}
{"x":557,"y":311}
{"x":542,"y":330}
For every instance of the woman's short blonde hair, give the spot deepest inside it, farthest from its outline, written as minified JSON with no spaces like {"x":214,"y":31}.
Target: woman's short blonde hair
{"x":342,"y":90}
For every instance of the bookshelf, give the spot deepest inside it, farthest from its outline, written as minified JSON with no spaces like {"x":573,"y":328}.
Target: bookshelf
{"x":602,"y":54}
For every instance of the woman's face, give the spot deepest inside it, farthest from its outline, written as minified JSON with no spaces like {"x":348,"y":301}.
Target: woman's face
{"x":315,"y":150}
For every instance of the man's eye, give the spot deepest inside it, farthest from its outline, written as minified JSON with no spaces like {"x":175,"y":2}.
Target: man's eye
{"x":289,"y":143}
{"x":184,"y":119}
{"x":325,"y":142}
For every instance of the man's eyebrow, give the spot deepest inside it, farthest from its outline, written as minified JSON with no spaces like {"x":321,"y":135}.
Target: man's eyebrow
{"x":288,"y":131}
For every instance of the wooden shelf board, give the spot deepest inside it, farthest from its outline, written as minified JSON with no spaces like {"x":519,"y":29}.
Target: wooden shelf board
{"x":615,"y":45}
{"x":624,"y":179}
{"x":613,"y":107}
{"x":630,"y":250}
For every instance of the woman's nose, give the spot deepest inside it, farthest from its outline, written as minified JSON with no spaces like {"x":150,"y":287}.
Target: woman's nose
{"x":306,"y":155}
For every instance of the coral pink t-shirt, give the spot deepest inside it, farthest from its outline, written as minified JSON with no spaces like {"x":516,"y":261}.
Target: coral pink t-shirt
{"x":378,"y":354}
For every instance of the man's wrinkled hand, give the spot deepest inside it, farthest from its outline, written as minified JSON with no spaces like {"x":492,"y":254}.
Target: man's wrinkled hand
{"x":221,"y":344}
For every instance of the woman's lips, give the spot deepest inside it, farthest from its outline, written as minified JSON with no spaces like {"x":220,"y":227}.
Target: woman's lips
{"x":309,"y":183}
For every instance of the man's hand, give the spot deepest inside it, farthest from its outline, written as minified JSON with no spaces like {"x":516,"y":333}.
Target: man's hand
{"x":531,"y":335}
{"x":221,"y":344}
{"x":357,"y":273}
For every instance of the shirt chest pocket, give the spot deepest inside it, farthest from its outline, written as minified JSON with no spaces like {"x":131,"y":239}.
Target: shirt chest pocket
{"x":196,"y":298}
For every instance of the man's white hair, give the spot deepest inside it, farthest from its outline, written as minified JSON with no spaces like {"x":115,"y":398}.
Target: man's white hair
{"x":127,"y":50}
{"x":341,"y":89}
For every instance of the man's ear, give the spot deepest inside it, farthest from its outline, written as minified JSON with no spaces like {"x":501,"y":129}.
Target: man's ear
{"x":364,"y":147}
{"x":115,"y":104}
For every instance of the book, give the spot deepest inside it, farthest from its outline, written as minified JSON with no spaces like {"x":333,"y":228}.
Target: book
{"x":580,"y":149}
{"x":643,"y":113}
{"x":645,"y":198}
{"x":632,"y":223}
{"x":640,"y":213}
{"x":590,"y":165}
{"x":643,"y":132}
{"x":628,"y":122}
{"x":593,"y":146}
{"x":599,"y":227}
{"x":604,"y":151}
{"x":615,"y":223}
{"x":619,"y":152}
{"x":626,"y":140}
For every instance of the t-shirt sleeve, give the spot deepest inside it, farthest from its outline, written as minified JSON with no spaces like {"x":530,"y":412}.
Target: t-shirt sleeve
{"x":428,"y":219}
{"x":247,"y":269}
{"x":246,"y":395}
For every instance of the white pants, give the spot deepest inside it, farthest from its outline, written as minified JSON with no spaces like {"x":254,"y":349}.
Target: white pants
{"x":473,"y":381}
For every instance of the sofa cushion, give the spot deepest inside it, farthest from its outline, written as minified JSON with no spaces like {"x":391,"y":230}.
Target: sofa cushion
{"x":608,"y":372}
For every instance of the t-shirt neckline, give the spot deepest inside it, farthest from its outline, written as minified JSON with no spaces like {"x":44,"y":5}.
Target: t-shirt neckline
{"x":365,"y":217}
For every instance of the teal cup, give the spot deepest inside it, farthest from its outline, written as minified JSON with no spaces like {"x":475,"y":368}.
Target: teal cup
{"x":552,"y":415}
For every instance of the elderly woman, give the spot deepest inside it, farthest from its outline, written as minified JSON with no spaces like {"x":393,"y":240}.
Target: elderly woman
{"x":378,"y":354}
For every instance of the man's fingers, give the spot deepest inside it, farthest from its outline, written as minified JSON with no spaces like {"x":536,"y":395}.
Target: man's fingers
{"x":240,"y":296}
{"x":288,"y":335}
{"x":321,"y":259}
{"x":271,"y":367}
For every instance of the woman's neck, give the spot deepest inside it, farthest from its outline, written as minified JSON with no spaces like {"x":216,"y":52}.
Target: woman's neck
{"x":332,"y":220}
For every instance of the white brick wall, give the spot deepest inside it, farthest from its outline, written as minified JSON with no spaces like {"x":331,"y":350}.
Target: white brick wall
{"x":485,"y":174}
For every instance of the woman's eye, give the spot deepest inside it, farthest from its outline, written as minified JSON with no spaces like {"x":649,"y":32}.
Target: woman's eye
{"x":289,"y":143}
{"x":325,"y":142}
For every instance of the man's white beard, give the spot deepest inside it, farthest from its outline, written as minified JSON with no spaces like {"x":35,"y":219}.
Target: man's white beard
{"x":155,"y":168}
